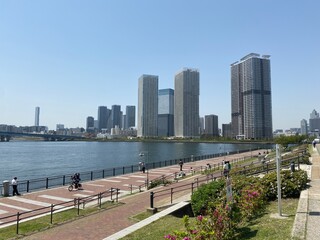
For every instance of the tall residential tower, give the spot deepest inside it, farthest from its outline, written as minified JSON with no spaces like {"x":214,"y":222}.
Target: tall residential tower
{"x":148,"y":106}
{"x":251,"y":109}
{"x":186,"y":103}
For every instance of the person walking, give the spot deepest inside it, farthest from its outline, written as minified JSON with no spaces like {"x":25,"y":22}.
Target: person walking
{"x":180,"y":164}
{"x":14,"y":184}
{"x":143,"y":167}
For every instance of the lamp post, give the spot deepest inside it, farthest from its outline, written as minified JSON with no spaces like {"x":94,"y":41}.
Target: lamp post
{"x":142,"y":154}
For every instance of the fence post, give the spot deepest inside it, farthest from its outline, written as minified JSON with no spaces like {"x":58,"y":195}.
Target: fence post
{"x":114,"y":171}
{"x":28,"y":186}
{"x":192,"y":188}
{"x":78,"y":206}
{"x":51,"y":213}
{"x":131,"y":188}
{"x":18,"y":220}
{"x":91,"y":175}
{"x":47,"y":183}
{"x":117,"y":194}
{"x":103,"y":173}
{"x":64,"y":180}
{"x":132,"y":168}
{"x":151,"y":199}
{"x":171,"y":194}
{"x":111,"y":193}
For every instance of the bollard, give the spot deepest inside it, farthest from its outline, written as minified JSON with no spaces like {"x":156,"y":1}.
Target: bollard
{"x":292,"y":167}
{"x":6,"y":188}
{"x":151,"y":199}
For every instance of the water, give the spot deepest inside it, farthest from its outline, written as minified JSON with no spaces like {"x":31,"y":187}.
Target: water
{"x":31,"y":160}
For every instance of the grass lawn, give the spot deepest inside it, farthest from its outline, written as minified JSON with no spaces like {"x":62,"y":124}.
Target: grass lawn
{"x":270,"y":227}
{"x":263,"y":228}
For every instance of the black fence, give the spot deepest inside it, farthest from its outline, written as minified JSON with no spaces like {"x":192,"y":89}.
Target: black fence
{"x":63,"y":180}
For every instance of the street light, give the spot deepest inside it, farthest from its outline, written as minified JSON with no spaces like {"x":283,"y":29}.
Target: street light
{"x":142,"y":154}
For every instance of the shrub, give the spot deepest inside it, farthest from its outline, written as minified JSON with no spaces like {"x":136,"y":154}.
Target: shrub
{"x":206,"y":194}
{"x":158,"y":182}
{"x":292,"y":183}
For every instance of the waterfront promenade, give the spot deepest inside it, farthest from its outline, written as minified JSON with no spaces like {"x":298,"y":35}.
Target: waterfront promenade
{"x":106,"y":223}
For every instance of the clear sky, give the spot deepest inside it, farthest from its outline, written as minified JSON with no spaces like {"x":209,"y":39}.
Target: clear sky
{"x":69,"y":57}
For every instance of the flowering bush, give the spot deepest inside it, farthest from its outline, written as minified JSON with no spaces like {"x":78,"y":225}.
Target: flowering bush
{"x":251,"y":202}
{"x":292,"y":183}
{"x":205,"y":196}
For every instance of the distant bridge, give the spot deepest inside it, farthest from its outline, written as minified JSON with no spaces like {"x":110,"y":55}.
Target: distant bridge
{"x":6,"y":136}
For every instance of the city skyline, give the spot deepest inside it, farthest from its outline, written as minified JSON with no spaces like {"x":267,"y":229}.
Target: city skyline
{"x":94,"y":52}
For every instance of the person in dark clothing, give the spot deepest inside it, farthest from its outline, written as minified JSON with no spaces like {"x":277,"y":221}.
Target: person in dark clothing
{"x":180,"y":164}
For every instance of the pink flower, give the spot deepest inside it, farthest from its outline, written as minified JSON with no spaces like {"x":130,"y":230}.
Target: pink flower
{"x":170,"y":237}
{"x":200,"y":217}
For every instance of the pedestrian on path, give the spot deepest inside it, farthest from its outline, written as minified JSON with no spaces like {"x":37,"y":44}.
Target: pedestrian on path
{"x":180,"y":164}
{"x":143,"y":167}
{"x":14,"y":183}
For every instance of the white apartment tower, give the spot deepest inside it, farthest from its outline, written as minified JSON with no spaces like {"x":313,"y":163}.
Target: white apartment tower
{"x":186,"y":103}
{"x":148,"y":106}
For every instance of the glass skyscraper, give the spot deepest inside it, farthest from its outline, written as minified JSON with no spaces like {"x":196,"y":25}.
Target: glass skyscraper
{"x":186,"y":103}
{"x":148,"y":106}
{"x":165,"y":112}
{"x":251,"y":109}
{"x":102,"y":117}
{"x":130,"y":117}
{"x":116,"y":116}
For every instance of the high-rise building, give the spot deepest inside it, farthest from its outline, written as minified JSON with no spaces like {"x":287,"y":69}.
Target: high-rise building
{"x":130,"y":120}
{"x":314,"y":122}
{"x":116,"y":115}
{"x":90,"y":124}
{"x":102,"y":117}
{"x":251,"y":109}
{"x":314,"y":114}
{"x":148,"y":106}
{"x":304,"y":127}
{"x":186,"y":103}
{"x":37,"y":117}
{"x":227,"y":130}
{"x":165,"y":112}
{"x":211,"y":125}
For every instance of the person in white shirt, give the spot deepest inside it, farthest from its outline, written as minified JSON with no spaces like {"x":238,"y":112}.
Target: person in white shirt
{"x":14,"y":183}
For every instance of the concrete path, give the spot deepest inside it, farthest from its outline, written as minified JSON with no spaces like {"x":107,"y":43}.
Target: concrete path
{"x":307,"y":220}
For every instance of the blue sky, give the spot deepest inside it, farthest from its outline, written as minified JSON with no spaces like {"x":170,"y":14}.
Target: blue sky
{"x":69,"y":57}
